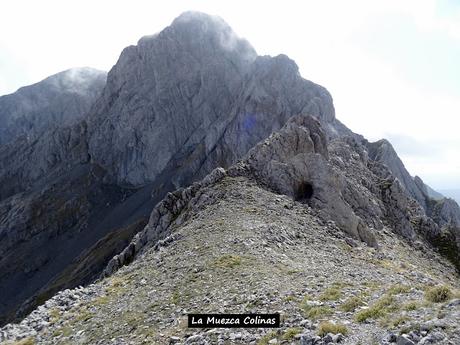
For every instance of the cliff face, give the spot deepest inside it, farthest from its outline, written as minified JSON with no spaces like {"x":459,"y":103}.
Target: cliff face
{"x":177,"y":105}
{"x":194,"y":90}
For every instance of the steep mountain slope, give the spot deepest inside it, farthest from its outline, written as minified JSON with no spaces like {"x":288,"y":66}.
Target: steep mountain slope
{"x":60,"y":99}
{"x":176,"y":106}
{"x":278,"y":255}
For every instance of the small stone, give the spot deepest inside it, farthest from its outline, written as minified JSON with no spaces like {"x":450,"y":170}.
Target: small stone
{"x":391,"y":338}
{"x":403,"y":340}
{"x":306,"y":339}
{"x":328,"y":338}
{"x":337,"y":338}
{"x":174,"y":339}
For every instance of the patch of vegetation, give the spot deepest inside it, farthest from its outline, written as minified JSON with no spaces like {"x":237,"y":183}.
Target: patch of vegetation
{"x":351,"y":304}
{"x":329,"y":327}
{"x":371,"y":285}
{"x":25,"y":341}
{"x":134,"y":319}
{"x":54,"y":315}
{"x":266,"y":338}
{"x":290,"y":298}
{"x":412,"y":305}
{"x":175,"y":297}
{"x":291,"y":333}
{"x":341,"y":284}
{"x":441,"y":314}
{"x":256,"y":302}
{"x":84,"y":315}
{"x":438,"y":294}
{"x":330,"y":294}
{"x":379,"y":309}
{"x":316,"y":312}
{"x":410,"y":328}
{"x":398,"y":289}
{"x":393,"y":322}
{"x":228,"y":261}
{"x":293,"y":271}
{"x":117,"y":284}
{"x":64,"y":331}
{"x":101,"y":300}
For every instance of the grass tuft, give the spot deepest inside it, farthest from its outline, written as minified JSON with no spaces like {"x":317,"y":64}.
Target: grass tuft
{"x":25,"y":341}
{"x":379,"y":309}
{"x":352,"y":304}
{"x":228,"y":261}
{"x":333,"y":328}
{"x":266,"y":338}
{"x":438,"y":294}
{"x":399,"y":289}
{"x":291,"y":333}
{"x":330,"y":294}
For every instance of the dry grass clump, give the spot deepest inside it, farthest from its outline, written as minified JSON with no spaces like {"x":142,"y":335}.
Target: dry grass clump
{"x":438,"y":294}
{"x":228,"y":261}
{"x":333,"y":328}
{"x":352,"y":304}
{"x":379,"y":309}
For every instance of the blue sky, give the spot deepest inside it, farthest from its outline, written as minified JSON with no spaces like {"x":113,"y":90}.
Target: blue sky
{"x":391,"y":66}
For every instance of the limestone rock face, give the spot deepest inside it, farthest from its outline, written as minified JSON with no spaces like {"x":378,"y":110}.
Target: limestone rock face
{"x":194,"y":90}
{"x":446,"y":212}
{"x":24,"y":162}
{"x":61,"y":99}
{"x":382,"y":151}
{"x":294,"y":162}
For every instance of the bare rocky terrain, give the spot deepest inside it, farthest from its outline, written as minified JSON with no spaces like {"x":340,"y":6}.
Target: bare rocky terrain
{"x":206,"y":178}
{"x":230,"y":244}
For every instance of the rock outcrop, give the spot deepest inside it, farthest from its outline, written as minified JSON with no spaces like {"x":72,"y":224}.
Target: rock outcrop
{"x":382,"y":151}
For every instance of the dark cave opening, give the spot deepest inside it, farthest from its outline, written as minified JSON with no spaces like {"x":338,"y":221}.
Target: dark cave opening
{"x":304,"y":192}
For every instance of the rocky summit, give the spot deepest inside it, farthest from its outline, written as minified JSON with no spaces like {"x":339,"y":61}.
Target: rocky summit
{"x":204,"y":178}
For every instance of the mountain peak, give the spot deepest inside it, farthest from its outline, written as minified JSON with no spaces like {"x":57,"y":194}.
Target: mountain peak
{"x":76,"y":79}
